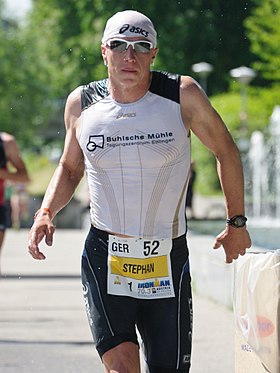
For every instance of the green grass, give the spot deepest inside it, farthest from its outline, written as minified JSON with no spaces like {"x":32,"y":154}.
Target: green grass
{"x":40,"y":170}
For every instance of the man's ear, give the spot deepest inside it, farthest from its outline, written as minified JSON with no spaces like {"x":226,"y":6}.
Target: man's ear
{"x":154,"y":56}
{"x":103,"y":53}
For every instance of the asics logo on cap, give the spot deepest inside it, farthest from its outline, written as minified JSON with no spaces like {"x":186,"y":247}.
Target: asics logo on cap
{"x":133,"y":29}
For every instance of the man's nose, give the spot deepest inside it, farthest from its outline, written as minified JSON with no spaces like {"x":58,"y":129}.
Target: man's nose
{"x":130,"y":53}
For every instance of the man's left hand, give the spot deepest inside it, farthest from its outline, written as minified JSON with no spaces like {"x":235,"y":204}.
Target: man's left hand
{"x":235,"y":241}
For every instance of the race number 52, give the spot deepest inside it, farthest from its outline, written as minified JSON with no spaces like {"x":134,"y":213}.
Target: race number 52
{"x":151,"y":248}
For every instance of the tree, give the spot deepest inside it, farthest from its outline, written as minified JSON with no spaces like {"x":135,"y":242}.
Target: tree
{"x":69,"y":46}
{"x":264,"y":34}
{"x":22,"y":105}
{"x":188,"y":32}
{"x":59,"y":49}
{"x":204,"y":30}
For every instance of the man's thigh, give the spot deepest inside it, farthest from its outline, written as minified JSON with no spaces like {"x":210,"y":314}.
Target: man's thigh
{"x":165,"y":325}
{"x":112,"y":318}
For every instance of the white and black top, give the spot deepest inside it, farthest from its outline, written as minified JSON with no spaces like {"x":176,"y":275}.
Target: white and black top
{"x":137,"y":159}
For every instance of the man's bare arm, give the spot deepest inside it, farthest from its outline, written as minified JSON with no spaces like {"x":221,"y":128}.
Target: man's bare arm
{"x":64,"y":181}
{"x":201,"y":118}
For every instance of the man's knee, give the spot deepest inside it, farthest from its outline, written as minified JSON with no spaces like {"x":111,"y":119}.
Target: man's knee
{"x":123,"y":358}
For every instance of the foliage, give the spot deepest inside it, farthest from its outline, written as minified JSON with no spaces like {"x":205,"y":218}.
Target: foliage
{"x":206,"y":30}
{"x":207,"y":182}
{"x":264,"y":33}
{"x":74,"y":28}
{"x":23,"y":104}
{"x":40,"y":170}
{"x":58,"y":49}
{"x":260,"y":105}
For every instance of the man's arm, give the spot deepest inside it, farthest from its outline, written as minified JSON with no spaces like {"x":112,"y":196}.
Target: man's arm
{"x":201,"y":118}
{"x":12,"y":152}
{"x":64,"y":181}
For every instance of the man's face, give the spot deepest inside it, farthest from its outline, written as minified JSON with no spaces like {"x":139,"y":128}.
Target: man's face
{"x":129,"y":66}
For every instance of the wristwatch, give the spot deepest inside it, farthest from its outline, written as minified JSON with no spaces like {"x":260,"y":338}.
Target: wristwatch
{"x":237,"y":221}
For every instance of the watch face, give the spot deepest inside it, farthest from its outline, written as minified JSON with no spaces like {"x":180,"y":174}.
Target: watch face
{"x":239,"y":221}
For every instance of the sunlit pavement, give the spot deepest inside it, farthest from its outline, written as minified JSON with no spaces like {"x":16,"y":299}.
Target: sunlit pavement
{"x":43,"y":325}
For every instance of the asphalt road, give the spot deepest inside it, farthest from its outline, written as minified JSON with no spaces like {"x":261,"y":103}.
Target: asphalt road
{"x":43,"y":325}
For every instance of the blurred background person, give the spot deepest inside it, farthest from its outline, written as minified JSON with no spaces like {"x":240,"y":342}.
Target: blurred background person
{"x":19,"y":205}
{"x":12,"y":170}
{"x":189,"y":198}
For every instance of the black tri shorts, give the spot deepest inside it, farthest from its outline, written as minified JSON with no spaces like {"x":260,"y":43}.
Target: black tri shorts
{"x":165,"y":324}
{"x":3,"y":218}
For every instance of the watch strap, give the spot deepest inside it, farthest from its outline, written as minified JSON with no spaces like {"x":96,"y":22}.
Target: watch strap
{"x":233,"y":221}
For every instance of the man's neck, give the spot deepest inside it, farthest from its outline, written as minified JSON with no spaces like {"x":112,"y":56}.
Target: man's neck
{"x":126,"y":93}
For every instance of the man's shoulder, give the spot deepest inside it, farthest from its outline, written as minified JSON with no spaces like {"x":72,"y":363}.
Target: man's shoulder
{"x":9,"y":144}
{"x":191,"y":91}
{"x":94,"y":92}
{"x":9,"y":141}
{"x":166,"y":84}
{"x":7,"y":137}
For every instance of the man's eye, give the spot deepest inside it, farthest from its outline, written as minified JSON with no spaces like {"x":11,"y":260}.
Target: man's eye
{"x":116,"y":44}
{"x":145,"y":45}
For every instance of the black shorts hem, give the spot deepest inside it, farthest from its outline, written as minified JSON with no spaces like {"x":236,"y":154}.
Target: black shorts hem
{"x":3,"y":218}
{"x":159,"y":369}
{"x":107,"y":345}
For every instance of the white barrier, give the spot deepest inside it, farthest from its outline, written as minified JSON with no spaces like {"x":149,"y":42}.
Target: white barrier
{"x":257,"y":313}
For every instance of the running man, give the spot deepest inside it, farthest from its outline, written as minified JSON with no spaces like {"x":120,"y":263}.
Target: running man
{"x":131,"y":133}
{"x":9,"y":153}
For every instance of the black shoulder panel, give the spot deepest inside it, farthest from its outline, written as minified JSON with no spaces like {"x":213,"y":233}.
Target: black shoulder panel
{"x":166,"y":85}
{"x":94,"y":92}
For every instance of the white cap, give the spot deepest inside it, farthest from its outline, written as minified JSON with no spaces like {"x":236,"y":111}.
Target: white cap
{"x":130,"y":23}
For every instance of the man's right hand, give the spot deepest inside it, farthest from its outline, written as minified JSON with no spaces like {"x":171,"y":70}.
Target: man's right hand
{"x":42,"y":227}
